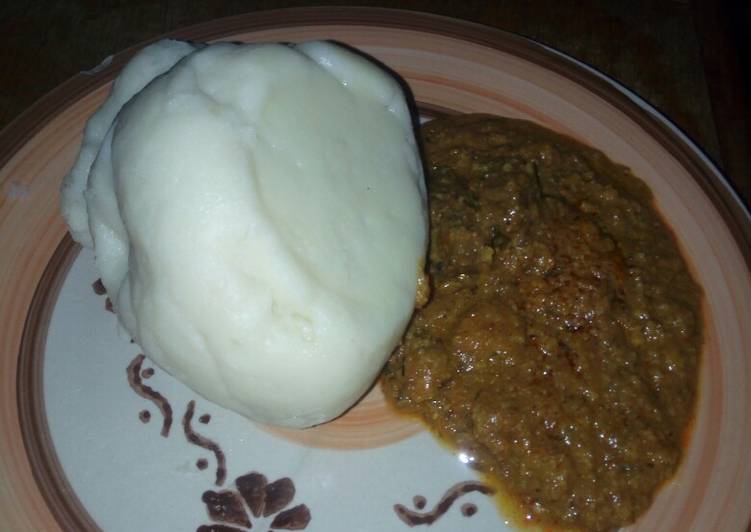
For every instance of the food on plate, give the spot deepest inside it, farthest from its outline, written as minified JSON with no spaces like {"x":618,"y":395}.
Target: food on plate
{"x":258,"y":217}
{"x":560,"y":350}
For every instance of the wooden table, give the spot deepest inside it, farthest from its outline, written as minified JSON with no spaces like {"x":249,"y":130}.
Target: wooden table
{"x":673,"y":53}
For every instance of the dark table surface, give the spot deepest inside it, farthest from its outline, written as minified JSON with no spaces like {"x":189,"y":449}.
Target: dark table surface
{"x":683,"y":56}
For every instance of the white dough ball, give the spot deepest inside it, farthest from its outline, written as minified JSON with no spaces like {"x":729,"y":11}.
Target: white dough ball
{"x":258,"y":217}
{"x":144,"y":67}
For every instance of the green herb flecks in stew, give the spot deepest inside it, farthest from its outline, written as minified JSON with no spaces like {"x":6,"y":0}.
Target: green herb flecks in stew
{"x":561,"y":344}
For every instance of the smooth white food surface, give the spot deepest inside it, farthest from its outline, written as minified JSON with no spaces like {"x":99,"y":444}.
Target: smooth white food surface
{"x":258,"y":218}
{"x":144,"y":67}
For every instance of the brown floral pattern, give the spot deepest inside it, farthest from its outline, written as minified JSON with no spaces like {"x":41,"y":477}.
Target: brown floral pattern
{"x":414,"y":517}
{"x":254,"y":497}
{"x":202,"y":441}
{"x":135,"y":380}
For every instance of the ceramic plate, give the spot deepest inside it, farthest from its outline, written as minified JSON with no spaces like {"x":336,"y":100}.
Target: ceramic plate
{"x":94,"y":437}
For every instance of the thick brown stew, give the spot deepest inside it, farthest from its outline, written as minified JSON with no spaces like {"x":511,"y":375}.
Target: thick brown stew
{"x":561,"y":345}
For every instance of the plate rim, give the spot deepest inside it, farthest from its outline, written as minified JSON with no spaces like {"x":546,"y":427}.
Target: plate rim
{"x":64,"y":504}
{"x":714,"y":184}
